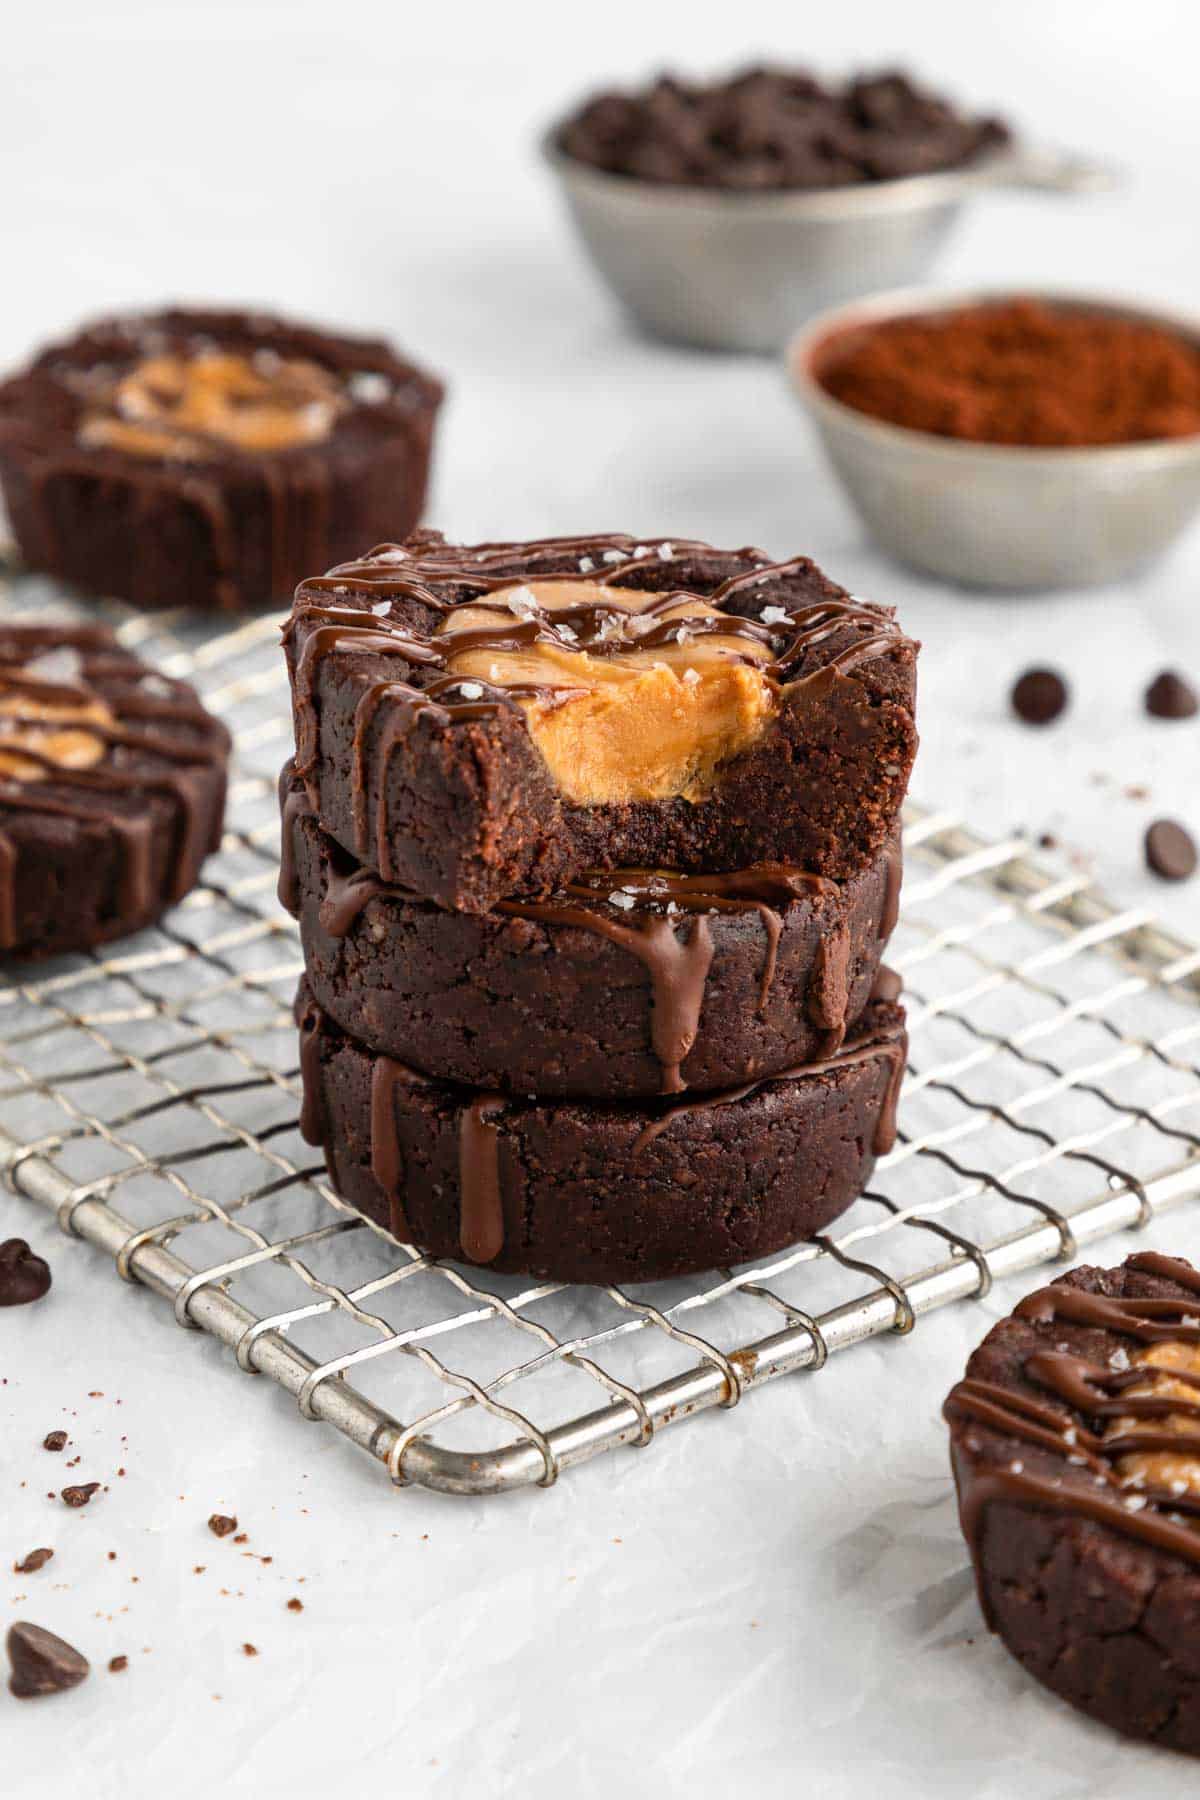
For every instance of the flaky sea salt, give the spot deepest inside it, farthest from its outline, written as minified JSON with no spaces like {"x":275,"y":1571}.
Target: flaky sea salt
{"x":1119,"y":1359}
{"x":471,"y":690}
{"x":625,"y":901}
{"x":522,"y":602}
{"x":774,"y":615}
{"x":666,"y":552}
{"x":369,"y":387}
{"x":380,"y":607}
{"x":691,"y":677}
{"x":1135,"y":1502}
{"x":641,"y":550}
{"x":614,"y":556}
{"x":586,"y":565}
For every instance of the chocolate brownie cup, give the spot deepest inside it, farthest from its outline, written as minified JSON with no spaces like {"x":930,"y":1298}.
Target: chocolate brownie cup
{"x":769,"y":128}
{"x":586,"y":1191}
{"x":210,"y":459}
{"x":1075,"y":1441}
{"x":478,"y":722}
{"x":628,"y":984}
{"x":112,"y":789}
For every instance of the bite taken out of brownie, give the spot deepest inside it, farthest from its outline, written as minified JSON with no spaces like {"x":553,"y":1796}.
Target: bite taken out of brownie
{"x":210,"y":459}
{"x":477,"y":722}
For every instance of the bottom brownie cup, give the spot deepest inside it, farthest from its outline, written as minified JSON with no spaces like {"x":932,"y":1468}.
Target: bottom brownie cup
{"x":1075,"y":1442}
{"x":112,"y":789}
{"x":630,"y":983}
{"x":595,"y":1191}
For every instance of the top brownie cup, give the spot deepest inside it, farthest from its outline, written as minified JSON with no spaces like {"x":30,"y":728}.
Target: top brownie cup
{"x":481,"y":721}
{"x":210,"y":459}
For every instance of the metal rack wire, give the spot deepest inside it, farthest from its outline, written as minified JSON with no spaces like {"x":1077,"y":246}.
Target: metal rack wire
{"x":148,"y":1096}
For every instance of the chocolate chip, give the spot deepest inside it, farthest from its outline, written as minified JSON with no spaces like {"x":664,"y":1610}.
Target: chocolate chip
{"x":221,"y":1525}
{"x":117,"y":1665}
{"x":79,"y":1496}
{"x":41,"y":1662}
{"x":1169,"y":696}
{"x":1170,"y":850}
{"x":23,"y":1275}
{"x":29,"y":1565}
{"x":1039,"y":696}
{"x":54,"y":1440}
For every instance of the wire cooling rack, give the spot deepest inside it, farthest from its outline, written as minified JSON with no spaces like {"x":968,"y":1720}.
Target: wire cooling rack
{"x":149,"y":1096}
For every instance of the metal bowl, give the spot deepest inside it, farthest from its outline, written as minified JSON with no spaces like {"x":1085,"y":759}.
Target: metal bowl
{"x":737,"y":271}
{"x":996,"y":515}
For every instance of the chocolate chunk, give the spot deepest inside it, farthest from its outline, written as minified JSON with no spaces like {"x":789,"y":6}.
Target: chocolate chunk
{"x":24,"y":1276}
{"x":220,"y":1524}
{"x":41,"y":1662}
{"x":117,"y":1665}
{"x":1169,"y":696}
{"x":1039,"y":696}
{"x":29,"y":1565}
{"x":79,"y":1496}
{"x":54,"y":1440}
{"x":1170,"y":850}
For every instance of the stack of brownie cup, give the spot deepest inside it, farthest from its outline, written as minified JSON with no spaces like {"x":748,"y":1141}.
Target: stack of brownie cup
{"x":593,"y":843}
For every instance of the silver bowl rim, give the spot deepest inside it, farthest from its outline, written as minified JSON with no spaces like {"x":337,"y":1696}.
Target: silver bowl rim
{"x":873,"y":309}
{"x":906,"y":193}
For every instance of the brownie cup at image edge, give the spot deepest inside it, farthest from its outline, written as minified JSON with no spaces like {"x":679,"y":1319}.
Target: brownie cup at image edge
{"x":478,"y":722}
{"x":586,"y":1191}
{"x":210,"y":459}
{"x":1075,"y":1443}
{"x":112,"y":789}
{"x":629,"y":984}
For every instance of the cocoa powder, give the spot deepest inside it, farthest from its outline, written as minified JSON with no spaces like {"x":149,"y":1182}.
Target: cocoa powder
{"x":1020,"y":372}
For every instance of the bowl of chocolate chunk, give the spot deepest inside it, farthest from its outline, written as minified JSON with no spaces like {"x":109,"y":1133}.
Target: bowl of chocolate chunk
{"x":722,"y":212}
{"x":210,"y":459}
{"x":1003,"y":440}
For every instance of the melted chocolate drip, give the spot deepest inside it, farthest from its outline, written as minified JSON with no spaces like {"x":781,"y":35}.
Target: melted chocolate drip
{"x":394,"y":572}
{"x":481,"y":1210}
{"x":1088,"y":1390}
{"x":135,"y":831}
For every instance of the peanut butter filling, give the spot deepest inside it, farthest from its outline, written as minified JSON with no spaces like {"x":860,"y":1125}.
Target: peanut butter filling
{"x":615,"y":716}
{"x":185,"y":406}
{"x":51,"y":728}
{"x":1178,"y":1472}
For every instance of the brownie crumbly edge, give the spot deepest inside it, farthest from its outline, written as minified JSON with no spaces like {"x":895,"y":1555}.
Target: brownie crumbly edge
{"x":1087,"y":1567}
{"x":229,"y":532}
{"x":92,"y":853}
{"x":590,"y":1192}
{"x":451,"y":797}
{"x":603,"y":992}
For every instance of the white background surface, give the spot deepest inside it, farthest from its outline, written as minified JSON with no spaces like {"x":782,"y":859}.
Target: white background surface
{"x":773,"y":1601}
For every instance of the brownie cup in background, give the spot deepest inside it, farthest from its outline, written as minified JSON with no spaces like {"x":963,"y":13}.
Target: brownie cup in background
{"x":1075,"y":1441}
{"x":112,"y":789}
{"x":628,"y":984}
{"x":477,"y":722}
{"x":579,"y":1190}
{"x":210,"y":459}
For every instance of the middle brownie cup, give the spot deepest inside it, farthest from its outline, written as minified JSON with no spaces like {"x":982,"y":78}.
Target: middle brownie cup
{"x":628,"y":984}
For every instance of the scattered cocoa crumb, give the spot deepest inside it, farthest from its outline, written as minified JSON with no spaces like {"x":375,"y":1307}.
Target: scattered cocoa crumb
{"x":243,"y":1537}
{"x":112,"y":1556}
{"x":29,"y":1565}
{"x":54,"y":1440}
{"x":220,"y":1524}
{"x":1137,"y":792}
{"x":199,"y":1569}
{"x":117,"y":1665}
{"x":79,"y":1496}
{"x":295,"y":1605}
{"x":249,"y":1650}
{"x":1047,"y":841}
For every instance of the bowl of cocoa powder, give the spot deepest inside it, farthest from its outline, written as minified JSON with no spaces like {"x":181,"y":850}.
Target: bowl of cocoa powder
{"x":1007,"y":440}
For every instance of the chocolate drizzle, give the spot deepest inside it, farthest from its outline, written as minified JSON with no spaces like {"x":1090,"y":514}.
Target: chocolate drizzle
{"x":131,"y":763}
{"x":432,"y":579}
{"x":481,"y":1209}
{"x":1081,"y":1394}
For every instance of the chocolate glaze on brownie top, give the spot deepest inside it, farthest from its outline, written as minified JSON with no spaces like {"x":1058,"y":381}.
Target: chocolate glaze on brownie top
{"x":1089,"y":1403}
{"x":97,"y":749}
{"x":640,"y":670}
